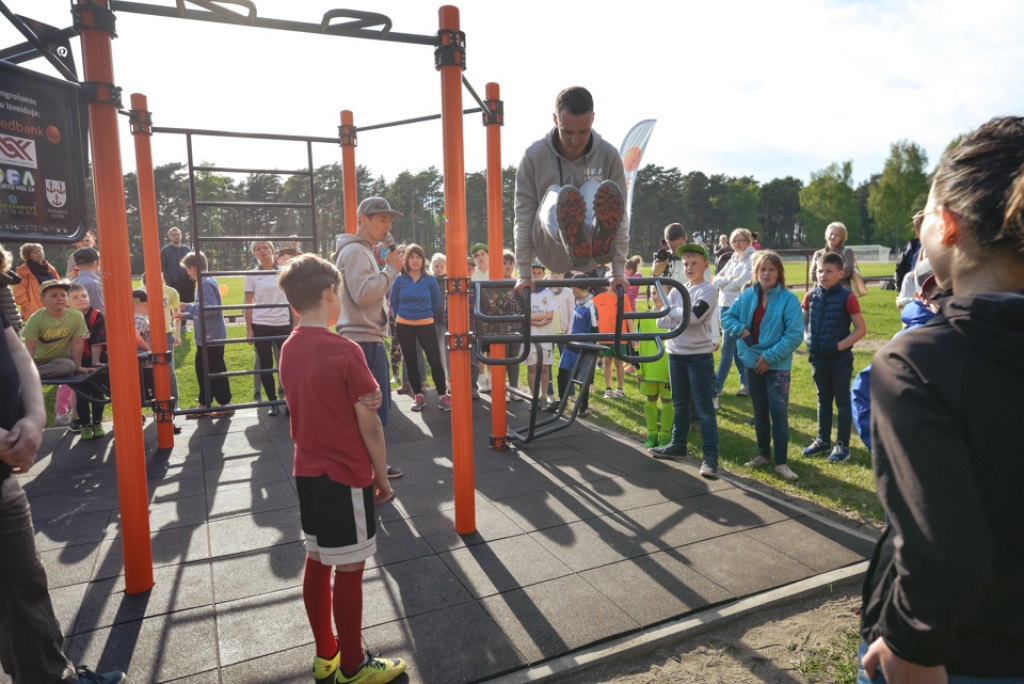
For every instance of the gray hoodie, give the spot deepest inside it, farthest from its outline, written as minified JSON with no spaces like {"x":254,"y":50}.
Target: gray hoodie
{"x":539,"y":170}
{"x":364,"y":287}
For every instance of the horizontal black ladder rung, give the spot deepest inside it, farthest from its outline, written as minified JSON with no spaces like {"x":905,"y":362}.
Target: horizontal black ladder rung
{"x":228,"y":407}
{"x":234,"y":374}
{"x":229,"y":307}
{"x":217,"y":274}
{"x":418,"y":119}
{"x":225,"y":169}
{"x":256,"y":205}
{"x":236,"y":340}
{"x":251,"y":238}
{"x":237,"y":134}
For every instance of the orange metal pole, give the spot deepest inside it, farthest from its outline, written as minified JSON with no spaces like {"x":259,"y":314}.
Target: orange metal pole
{"x":348,"y":171}
{"x":495,"y":230}
{"x":142,"y":130}
{"x":112,"y":224}
{"x":451,"y":44}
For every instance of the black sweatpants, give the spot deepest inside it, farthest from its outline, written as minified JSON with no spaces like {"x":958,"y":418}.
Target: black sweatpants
{"x":219,"y":387}
{"x":408,"y":335}
{"x":265,"y":352}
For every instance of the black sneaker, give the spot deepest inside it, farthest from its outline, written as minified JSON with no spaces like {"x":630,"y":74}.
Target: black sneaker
{"x":670,"y":450}
{"x":76,"y":426}
{"x":818,"y":446}
{"x":89,"y":677}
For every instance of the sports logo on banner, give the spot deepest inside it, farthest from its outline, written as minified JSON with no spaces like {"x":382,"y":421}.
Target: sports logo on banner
{"x":632,"y":152}
{"x":18,"y":151}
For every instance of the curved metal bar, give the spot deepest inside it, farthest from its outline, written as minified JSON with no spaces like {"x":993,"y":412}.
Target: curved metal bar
{"x":215,"y":7}
{"x":367,"y":19}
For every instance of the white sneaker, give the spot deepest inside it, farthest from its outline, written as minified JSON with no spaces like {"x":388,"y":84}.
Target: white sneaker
{"x":743,"y":391}
{"x":757,"y":462}
{"x":785,"y":473}
{"x":714,"y":401}
{"x":484,"y":383}
{"x":62,"y":420}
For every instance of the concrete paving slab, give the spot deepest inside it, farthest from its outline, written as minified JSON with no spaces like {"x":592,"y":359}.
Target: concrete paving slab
{"x":550,"y":508}
{"x":819,"y":546}
{"x":88,"y":481}
{"x":72,"y":528}
{"x":256,"y":531}
{"x":679,"y":480}
{"x":257,"y":498}
{"x":502,"y":565}
{"x":397,"y":541}
{"x":258,"y":572}
{"x":577,"y":469}
{"x":543,"y":620}
{"x":438,"y":529}
{"x":740,"y":564}
{"x":169,"y":547}
{"x":592,"y":543}
{"x":740,"y":509}
{"x":259,"y":625}
{"x":414,"y":587}
{"x":70,"y":564}
{"x":258,"y":472}
{"x":619,"y":494}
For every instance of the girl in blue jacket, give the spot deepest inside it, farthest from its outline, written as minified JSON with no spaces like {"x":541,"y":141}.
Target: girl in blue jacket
{"x":768,"y":325}
{"x":416,"y":301}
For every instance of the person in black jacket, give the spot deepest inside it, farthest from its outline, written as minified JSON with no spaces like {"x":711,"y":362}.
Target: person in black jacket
{"x":908,"y":257}
{"x":943,"y":597}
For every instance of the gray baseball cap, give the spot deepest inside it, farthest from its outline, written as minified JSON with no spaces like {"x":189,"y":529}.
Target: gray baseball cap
{"x":376,"y":205}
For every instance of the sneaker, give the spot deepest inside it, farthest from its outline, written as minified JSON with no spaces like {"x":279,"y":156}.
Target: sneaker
{"x":743,"y":391}
{"x":695,"y":428}
{"x":664,"y":439}
{"x":394,"y":472}
{"x":550,"y":404}
{"x":86,"y":433}
{"x":652,"y":440}
{"x":572,"y":212}
{"x":324,"y":668}
{"x":418,"y":403}
{"x":375,"y":670}
{"x":619,"y":394}
{"x":758,"y":462}
{"x":484,"y":383}
{"x":512,"y":397}
{"x":444,"y":403}
{"x":840,"y":454}
{"x":87,"y":676}
{"x":708,"y":471}
{"x":785,"y":473}
{"x":670,"y":450}
{"x":818,"y":446}
{"x":608,"y":394}
{"x":714,"y":401}
{"x":475,"y":394}
{"x":750,"y":421}
{"x":76,"y":426}
{"x":98,"y":431}
{"x":62,"y":420}
{"x":406,"y":388}
{"x":584,"y":412}
{"x":608,"y":208}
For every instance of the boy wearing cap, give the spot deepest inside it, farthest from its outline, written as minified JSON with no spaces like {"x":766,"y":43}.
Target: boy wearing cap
{"x":480,"y":255}
{"x":87,"y":260}
{"x":829,"y":309}
{"x":55,"y":335}
{"x":569,"y":209}
{"x":542,"y":312}
{"x":691,"y":360}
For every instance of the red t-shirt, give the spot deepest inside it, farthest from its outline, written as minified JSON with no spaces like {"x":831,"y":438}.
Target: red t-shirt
{"x":852,"y":303}
{"x":607,"y":306}
{"x":755,"y":325}
{"x":325,"y":374}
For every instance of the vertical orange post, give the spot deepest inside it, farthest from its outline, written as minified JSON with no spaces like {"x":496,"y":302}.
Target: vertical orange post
{"x":142,"y":130}
{"x":450,"y":58}
{"x":347,"y":134}
{"x":495,"y":242}
{"x":112,"y":224}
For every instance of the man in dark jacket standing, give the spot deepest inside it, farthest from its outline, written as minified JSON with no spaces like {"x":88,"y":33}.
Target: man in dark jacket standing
{"x":943,"y":597}
{"x":175,"y":274}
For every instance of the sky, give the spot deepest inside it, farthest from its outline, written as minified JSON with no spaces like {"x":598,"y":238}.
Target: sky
{"x":740,"y":88}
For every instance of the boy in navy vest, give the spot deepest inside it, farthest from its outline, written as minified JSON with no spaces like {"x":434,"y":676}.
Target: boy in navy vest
{"x":829,"y":309}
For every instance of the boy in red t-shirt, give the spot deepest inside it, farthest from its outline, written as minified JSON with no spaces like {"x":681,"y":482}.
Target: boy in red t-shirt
{"x":339,"y":470}
{"x":607,"y":305}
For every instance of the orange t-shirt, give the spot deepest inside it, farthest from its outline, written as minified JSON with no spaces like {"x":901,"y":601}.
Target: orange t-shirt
{"x":606,"y":305}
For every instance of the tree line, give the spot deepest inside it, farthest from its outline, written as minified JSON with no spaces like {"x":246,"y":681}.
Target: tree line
{"x":786,"y":212}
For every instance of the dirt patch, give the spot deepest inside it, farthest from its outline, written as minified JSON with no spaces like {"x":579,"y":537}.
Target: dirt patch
{"x":865,"y":344}
{"x":813,"y":636}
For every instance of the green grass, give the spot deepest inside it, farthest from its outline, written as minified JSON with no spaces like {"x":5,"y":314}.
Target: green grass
{"x":836,"y":663}
{"x":848,"y":487}
{"x":233,"y":283}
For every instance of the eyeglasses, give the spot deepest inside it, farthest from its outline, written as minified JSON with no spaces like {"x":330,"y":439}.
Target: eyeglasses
{"x":918,"y":218}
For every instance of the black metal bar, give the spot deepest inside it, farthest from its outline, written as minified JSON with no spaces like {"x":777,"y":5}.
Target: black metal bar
{"x":38,"y":44}
{"x":26,"y":52}
{"x":233,"y":274}
{"x":236,"y":134}
{"x":260,"y":238}
{"x":234,"y":374}
{"x":312,"y":194}
{"x":582,"y":371}
{"x":227,"y":407}
{"x":223,"y":169}
{"x":201,"y":299}
{"x":276,"y":24}
{"x":238,"y":307}
{"x":479,"y":101}
{"x":254,"y":205}
{"x":237,"y":340}
{"x":418,"y":119}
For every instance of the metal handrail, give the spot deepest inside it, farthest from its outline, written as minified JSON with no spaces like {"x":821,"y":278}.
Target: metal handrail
{"x":617,"y":338}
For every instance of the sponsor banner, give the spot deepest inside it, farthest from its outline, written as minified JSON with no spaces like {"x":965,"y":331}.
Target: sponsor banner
{"x":632,"y":152}
{"x":42,"y":157}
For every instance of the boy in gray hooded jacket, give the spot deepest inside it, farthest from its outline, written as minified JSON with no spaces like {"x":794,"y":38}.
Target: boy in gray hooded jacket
{"x":569,"y":211}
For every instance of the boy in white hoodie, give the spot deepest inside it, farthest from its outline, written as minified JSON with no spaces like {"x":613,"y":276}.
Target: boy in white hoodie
{"x":691,"y":361}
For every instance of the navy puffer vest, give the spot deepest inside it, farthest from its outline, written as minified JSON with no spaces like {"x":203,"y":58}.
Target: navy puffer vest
{"x":830,"y":321}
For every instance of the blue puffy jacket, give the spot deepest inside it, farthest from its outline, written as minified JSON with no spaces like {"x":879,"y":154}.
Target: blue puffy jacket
{"x":782,"y":328}
{"x":914,"y":315}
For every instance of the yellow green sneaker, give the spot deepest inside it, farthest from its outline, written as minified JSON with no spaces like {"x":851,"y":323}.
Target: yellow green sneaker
{"x":375,"y":670}
{"x":652,"y":439}
{"x":86,"y":433}
{"x":98,"y":431}
{"x":324,"y":668}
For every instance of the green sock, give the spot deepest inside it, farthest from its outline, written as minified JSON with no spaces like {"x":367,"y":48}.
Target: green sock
{"x":651,"y":413}
{"x":668,"y":415}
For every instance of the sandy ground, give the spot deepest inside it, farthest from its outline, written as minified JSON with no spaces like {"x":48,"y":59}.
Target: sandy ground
{"x":759,"y":648}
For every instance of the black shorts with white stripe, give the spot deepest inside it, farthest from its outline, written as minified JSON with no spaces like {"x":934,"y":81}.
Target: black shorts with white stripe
{"x":337,"y":520}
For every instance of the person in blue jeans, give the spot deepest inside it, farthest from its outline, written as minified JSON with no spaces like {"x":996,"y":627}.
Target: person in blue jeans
{"x":767,"y":323}
{"x":829,"y":310}
{"x":691,"y":361}
{"x":730,"y":281}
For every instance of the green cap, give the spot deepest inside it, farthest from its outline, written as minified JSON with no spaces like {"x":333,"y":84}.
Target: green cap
{"x":692,"y":249}
{"x":479,"y":246}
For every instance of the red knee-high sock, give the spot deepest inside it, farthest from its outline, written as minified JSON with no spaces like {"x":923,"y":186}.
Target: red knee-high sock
{"x":316,"y":594}
{"x":348,"y":618}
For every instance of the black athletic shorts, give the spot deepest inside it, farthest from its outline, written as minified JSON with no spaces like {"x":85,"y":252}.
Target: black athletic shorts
{"x":337,"y":520}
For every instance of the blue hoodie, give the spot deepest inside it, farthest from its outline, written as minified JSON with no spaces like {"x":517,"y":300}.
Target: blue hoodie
{"x":914,"y":315}
{"x":416,"y":300}
{"x":782,"y":328}
{"x":213,"y":328}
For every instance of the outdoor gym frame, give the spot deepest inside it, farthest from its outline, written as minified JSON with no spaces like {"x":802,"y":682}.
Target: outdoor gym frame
{"x":94,"y":21}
